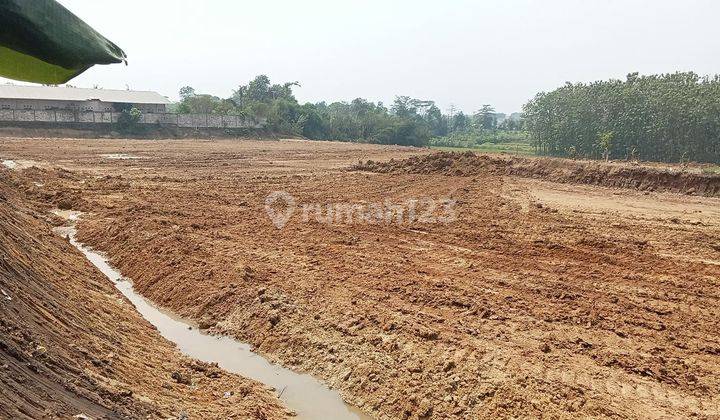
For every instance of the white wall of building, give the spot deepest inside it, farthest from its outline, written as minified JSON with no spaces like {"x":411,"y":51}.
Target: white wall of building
{"x":94,"y":105}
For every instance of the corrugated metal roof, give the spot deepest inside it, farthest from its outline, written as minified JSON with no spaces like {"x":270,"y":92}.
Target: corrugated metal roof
{"x":55,"y":93}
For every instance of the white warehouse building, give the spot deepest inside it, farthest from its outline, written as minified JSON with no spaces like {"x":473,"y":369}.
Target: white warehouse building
{"x":54,"y":98}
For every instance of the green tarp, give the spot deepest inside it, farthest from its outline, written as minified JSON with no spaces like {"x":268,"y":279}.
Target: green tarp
{"x":43,"y":42}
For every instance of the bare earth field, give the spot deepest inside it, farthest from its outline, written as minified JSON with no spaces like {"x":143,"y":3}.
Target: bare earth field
{"x":541,"y":299}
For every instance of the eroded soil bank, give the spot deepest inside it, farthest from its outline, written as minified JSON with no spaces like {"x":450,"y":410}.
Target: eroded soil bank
{"x":530,"y":303}
{"x":70,"y":344}
{"x":303,"y":394}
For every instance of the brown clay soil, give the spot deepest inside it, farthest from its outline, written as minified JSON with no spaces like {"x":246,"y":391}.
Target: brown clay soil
{"x":72,"y":345}
{"x":540,"y":299}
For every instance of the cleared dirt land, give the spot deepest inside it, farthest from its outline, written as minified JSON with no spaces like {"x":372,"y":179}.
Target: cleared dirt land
{"x":561,"y":299}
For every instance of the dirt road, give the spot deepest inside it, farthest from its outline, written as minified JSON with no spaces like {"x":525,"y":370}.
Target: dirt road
{"x":536,"y":298}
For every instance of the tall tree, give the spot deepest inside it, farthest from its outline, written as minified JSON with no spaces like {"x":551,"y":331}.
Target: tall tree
{"x":485,"y":117}
{"x":667,"y":117}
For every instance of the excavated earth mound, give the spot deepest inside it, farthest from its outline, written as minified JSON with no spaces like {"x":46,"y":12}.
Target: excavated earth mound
{"x":603,"y":174}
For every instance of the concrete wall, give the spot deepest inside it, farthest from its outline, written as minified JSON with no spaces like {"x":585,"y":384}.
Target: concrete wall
{"x":75,"y":106}
{"x":92,"y":117}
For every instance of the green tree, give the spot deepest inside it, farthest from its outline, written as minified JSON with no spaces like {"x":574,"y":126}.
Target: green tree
{"x":657,"y":117}
{"x":460,"y":122}
{"x":186,"y":92}
{"x":485,"y":118}
{"x":605,"y":143}
{"x":198,"y":104}
{"x":128,"y":121}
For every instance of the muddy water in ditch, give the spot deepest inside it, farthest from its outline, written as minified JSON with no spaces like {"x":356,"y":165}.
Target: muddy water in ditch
{"x":303,"y":394}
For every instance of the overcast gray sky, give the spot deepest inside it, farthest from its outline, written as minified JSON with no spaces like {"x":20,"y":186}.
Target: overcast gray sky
{"x":467,"y":53}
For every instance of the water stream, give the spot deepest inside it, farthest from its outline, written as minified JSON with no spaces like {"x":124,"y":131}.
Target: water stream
{"x":302,"y":393}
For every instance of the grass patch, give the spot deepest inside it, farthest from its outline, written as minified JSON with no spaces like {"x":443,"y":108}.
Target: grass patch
{"x":524,"y":149}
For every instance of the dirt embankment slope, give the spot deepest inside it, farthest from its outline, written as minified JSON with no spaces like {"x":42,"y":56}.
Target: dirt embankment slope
{"x":70,"y":343}
{"x":618,"y":175}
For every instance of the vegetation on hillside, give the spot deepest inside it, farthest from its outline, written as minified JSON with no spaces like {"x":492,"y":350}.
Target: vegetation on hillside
{"x":670,"y":117}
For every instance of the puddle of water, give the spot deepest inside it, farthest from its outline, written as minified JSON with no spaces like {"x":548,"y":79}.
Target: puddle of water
{"x":120,"y":156}
{"x":302,"y":393}
{"x":70,"y":215}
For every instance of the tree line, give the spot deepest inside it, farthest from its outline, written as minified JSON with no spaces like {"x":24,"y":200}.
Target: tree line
{"x":407,"y":121}
{"x":668,"y":117}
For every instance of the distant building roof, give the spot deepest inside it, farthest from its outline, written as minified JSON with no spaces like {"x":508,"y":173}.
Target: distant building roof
{"x":54,"y":93}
